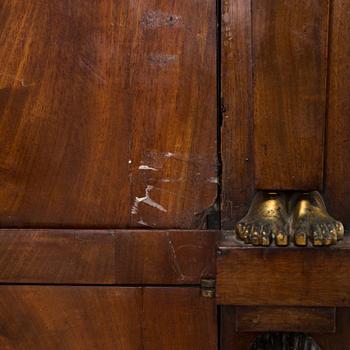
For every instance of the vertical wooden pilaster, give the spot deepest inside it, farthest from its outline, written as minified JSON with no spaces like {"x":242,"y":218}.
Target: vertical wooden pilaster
{"x":289,"y":92}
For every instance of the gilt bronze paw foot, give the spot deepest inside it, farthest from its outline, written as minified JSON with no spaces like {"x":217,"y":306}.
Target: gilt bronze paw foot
{"x":274,"y":217}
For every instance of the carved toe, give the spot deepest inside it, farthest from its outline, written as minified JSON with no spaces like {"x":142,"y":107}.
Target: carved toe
{"x":301,"y":236}
{"x":317,"y":236}
{"x":281,"y":238}
{"x":340,"y":230}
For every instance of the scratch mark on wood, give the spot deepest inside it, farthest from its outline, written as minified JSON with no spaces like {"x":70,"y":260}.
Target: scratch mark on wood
{"x":147,"y":200}
{"x":146,"y":167}
{"x":142,"y":222}
{"x":175,"y":263}
{"x":161,"y":60}
{"x":15,"y":79}
{"x":155,"y":19}
{"x":213,"y":180}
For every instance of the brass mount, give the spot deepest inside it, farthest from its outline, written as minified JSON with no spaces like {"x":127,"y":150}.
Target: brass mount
{"x":283,"y":218}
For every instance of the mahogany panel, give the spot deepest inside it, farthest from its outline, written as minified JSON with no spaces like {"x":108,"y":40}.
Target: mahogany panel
{"x":289,"y":89}
{"x":106,"y":256}
{"x":340,"y":340}
{"x":173,"y":132}
{"x":337,"y":181}
{"x":57,"y":256}
{"x":236,"y":130}
{"x":81,"y":318}
{"x":230,"y":339}
{"x":285,"y":319}
{"x":108,"y":113}
{"x":165,"y":257}
{"x":283,"y":276}
{"x":106,"y":318}
{"x":179,"y":319}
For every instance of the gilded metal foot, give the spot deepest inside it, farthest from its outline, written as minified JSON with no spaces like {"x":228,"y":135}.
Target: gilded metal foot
{"x":301,"y":218}
{"x":310,"y":221}
{"x":266,"y":220}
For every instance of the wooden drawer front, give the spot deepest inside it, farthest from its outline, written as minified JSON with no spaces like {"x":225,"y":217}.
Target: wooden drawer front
{"x":283,"y":276}
{"x":105,"y":318}
{"x":285,"y":319}
{"x":106,"y":256}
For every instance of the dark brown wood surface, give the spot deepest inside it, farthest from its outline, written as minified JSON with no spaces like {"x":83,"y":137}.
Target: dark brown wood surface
{"x":283,"y":46}
{"x":108,"y":113}
{"x":236,"y":131}
{"x":106,"y":318}
{"x":57,"y":256}
{"x":230,"y":339}
{"x":233,"y":340}
{"x":285,"y":319}
{"x":84,"y":318}
{"x":337,"y":181}
{"x":106,"y":256}
{"x":340,"y":340}
{"x":248,"y":275}
{"x":290,"y":66}
{"x":165,"y":257}
{"x":179,"y":319}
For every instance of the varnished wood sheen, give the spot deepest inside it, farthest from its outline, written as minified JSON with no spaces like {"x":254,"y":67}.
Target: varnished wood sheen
{"x":290,"y":66}
{"x":106,"y":256}
{"x":106,"y":318}
{"x":107,"y":113}
{"x":231,"y":339}
{"x":340,"y":340}
{"x":236,"y":131}
{"x":179,"y":319}
{"x":283,"y":276}
{"x":171,"y":257}
{"x":57,"y":256}
{"x":79,"y":318}
{"x":337,"y":184}
{"x":285,"y":319}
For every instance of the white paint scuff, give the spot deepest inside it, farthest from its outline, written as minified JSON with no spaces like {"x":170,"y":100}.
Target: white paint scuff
{"x":169,"y":154}
{"x":146,"y":167}
{"x":214,"y":180}
{"x":147,"y":200}
{"x":141,"y":222}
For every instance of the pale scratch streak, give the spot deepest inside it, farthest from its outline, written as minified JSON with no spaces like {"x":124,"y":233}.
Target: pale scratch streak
{"x":146,"y":167}
{"x":175,"y":264}
{"x":21,"y":81}
{"x":147,"y":200}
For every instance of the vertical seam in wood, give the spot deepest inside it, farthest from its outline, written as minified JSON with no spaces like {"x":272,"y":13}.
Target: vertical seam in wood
{"x":328,"y":71}
{"x":251,"y":100}
{"x":219,"y":108}
{"x":142,"y":319}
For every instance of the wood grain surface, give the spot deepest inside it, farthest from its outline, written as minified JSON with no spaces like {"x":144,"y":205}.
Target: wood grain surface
{"x":165,"y":257}
{"x":315,"y":277}
{"x":57,"y":256}
{"x":107,"y":113}
{"x":274,"y":74}
{"x":337,"y":181}
{"x":290,"y":70}
{"x":339,"y":340}
{"x":84,"y":318}
{"x":107,"y":256}
{"x":237,"y":120}
{"x":106,"y":318}
{"x":233,"y":340}
{"x":230,"y":339}
{"x":179,"y":319}
{"x":285,"y":319}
